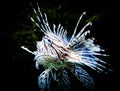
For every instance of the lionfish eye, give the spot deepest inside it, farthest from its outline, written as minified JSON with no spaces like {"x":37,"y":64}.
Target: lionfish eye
{"x":50,"y":41}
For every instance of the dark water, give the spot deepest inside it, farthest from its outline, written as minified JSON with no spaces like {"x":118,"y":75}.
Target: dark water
{"x":18,"y":69}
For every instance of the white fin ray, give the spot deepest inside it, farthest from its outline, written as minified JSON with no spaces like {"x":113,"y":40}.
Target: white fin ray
{"x":73,"y":35}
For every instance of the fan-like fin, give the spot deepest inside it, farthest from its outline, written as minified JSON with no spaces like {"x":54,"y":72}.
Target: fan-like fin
{"x":44,"y":80}
{"x":83,"y":76}
{"x":64,"y":81}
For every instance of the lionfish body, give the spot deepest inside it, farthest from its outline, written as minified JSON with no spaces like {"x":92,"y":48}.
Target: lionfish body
{"x":57,"y":54}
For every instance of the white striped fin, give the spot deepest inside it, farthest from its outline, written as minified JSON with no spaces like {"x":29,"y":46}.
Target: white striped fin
{"x":73,"y":35}
{"x":44,"y":80}
{"x":41,"y":22}
{"x":83,"y":76}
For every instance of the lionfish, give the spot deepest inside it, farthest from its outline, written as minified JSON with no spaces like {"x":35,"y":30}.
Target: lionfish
{"x":59,"y":54}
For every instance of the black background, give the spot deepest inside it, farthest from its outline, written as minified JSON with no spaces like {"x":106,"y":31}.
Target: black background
{"x":19,"y":73}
